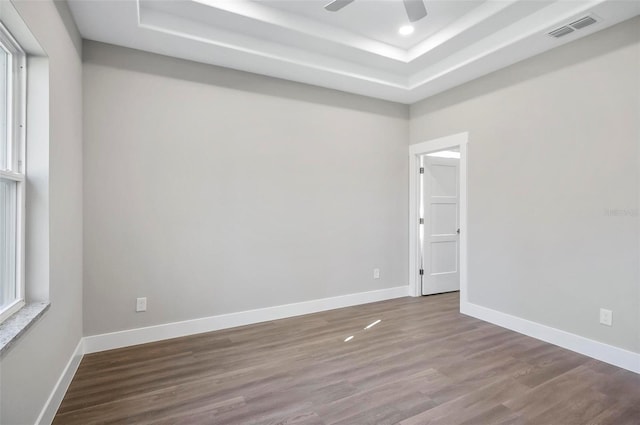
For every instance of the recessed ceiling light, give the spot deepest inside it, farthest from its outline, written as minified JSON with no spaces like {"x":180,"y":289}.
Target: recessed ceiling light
{"x":406,"y":30}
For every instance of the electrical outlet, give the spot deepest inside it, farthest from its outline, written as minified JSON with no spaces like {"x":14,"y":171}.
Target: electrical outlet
{"x":141,"y":304}
{"x":606,"y":317}
{"x":376,"y":273}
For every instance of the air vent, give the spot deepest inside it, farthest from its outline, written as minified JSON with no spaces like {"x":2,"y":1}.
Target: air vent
{"x":560,"y":32}
{"x":583,"y":22}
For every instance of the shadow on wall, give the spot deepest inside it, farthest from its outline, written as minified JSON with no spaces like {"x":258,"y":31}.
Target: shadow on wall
{"x":556,"y":59}
{"x":150,"y":63}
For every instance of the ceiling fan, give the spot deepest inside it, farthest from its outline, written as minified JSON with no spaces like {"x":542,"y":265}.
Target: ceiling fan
{"x":415,"y":8}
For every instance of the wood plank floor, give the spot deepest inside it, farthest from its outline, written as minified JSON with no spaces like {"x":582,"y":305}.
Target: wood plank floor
{"x":424,"y":363}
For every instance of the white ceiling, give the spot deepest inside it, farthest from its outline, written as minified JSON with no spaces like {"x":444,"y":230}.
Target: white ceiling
{"x":357,"y":49}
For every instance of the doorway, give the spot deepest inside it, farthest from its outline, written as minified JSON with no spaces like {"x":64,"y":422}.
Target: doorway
{"x":438,"y":214}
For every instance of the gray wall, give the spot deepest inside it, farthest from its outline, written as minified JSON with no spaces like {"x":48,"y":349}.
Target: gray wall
{"x":212,"y":191}
{"x":553,"y":148}
{"x":31,"y":368}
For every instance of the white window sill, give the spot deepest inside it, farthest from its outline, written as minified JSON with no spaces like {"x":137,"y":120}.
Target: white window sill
{"x":15,"y":326}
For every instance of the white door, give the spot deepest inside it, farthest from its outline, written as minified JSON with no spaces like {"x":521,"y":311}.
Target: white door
{"x":440,"y":228}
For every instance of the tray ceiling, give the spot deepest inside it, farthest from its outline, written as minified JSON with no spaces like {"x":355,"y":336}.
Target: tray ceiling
{"x":357,"y":49}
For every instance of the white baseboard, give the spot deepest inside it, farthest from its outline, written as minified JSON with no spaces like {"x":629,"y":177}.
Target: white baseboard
{"x":59,"y":390}
{"x":597,"y":350}
{"x":130,"y":337}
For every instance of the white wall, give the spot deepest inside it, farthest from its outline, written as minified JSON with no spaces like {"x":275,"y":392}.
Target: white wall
{"x":554,"y":145}
{"x":212,"y":191}
{"x":34,"y":363}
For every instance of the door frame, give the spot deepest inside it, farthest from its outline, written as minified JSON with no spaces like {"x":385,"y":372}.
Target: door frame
{"x":415,"y":151}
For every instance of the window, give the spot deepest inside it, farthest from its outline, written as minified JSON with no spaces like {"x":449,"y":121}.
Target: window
{"x":12,"y":175}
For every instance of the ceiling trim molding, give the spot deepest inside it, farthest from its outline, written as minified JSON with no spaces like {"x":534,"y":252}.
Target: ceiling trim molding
{"x":466,"y":22}
{"x":159,"y":22}
{"x":303,"y":25}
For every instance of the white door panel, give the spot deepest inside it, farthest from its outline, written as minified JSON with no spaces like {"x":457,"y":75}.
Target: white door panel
{"x":440,"y":238}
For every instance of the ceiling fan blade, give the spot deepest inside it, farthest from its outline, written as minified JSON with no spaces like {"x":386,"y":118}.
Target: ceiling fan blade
{"x":336,"y":5}
{"x":415,"y":9}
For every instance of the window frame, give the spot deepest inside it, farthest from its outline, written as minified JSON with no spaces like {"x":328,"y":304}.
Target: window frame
{"x":16,"y":155}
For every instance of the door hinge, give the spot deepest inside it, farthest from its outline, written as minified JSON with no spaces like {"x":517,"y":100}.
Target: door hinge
{"x":422,"y":221}
{"x":421,"y":170}
{"x":421,"y":272}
